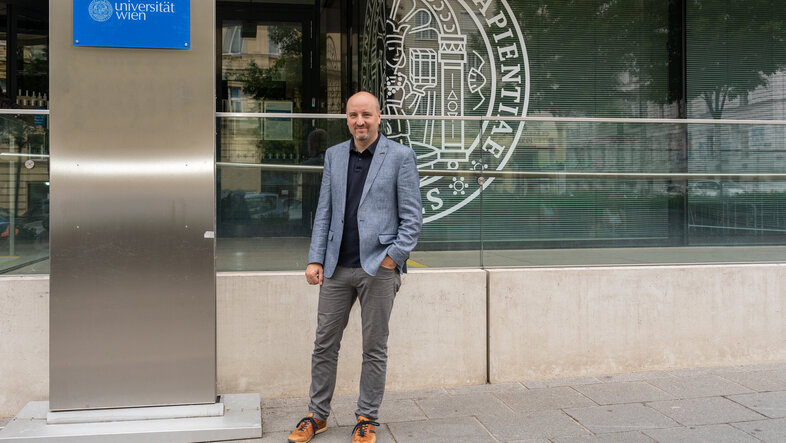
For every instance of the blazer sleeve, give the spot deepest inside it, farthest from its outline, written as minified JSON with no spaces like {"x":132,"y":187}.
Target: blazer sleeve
{"x":410,"y":210}
{"x":321,"y":228}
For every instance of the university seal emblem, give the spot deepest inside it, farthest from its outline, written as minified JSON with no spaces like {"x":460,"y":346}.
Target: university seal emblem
{"x":100,"y":10}
{"x":449,"y":58}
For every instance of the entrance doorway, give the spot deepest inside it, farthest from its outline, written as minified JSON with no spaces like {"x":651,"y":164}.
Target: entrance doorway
{"x":288,"y":59}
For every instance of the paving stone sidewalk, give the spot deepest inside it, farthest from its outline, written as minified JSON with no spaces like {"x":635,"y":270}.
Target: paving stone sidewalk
{"x":721,"y":404}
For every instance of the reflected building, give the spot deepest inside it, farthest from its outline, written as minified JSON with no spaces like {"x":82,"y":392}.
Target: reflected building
{"x":24,"y":187}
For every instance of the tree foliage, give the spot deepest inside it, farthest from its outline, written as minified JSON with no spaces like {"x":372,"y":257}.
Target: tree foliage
{"x":607,"y":57}
{"x":269,"y":83}
{"x":261,"y":83}
{"x":595,"y":57}
{"x":734,"y":47}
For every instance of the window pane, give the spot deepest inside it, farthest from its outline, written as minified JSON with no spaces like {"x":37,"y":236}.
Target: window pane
{"x":24,"y":54}
{"x":550,"y":59}
{"x":262,"y":62}
{"x":24,"y":194}
{"x":736,"y":59}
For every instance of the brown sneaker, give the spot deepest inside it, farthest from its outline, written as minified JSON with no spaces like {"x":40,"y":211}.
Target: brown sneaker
{"x":365,"y":431}
{"x":307,"y":428}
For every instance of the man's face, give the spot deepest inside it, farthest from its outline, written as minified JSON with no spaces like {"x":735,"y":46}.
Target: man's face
{"x":363,"y":117}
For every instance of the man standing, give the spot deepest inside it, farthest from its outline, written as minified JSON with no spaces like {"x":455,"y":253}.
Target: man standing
{"x":368,"y":220}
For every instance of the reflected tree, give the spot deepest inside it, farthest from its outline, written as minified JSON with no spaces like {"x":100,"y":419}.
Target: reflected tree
{"x":734,"y":47}
{"x":270,"y":83}
{"x":601,"y":57}
{"x":596,"y":57}
{"x":261,"y":83}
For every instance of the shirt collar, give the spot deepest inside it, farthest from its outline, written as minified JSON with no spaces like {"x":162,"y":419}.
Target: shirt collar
{"x":372,"y":147}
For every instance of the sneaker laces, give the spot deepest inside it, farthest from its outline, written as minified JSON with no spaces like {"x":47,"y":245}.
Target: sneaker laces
{"x":362,"y":427}
{"x":301,"y":425}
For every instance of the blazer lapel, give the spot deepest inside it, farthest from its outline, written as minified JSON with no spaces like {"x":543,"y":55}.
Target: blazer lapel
{"x":340,"y":194}
{"x":376,"y":164}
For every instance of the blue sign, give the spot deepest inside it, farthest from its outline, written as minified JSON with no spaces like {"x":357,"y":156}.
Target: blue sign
{"x":39,"y":120}
{"x":133,"y":23}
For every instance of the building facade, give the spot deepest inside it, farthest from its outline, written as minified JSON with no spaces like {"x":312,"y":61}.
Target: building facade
{"x":555,"y":138}
{"x":595,"y":77}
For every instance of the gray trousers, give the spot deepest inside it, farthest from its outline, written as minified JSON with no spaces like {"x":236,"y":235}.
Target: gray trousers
{"x":336,"y":297}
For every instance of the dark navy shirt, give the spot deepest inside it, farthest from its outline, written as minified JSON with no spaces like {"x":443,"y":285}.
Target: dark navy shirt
{"x":357,"y":171}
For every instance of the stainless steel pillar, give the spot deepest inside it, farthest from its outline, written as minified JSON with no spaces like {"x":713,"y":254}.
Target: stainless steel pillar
{"x":132,"y":315}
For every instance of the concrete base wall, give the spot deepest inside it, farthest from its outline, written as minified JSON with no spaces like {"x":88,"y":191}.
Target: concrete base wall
{"x":267,"y":321}
{"x":265,"y":333}
{"x":549,"y":323}
{"x":545,"y":323}
{"x":24,"y":342}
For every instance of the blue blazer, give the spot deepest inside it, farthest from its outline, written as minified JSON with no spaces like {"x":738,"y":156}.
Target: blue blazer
{"x":390,"y":214}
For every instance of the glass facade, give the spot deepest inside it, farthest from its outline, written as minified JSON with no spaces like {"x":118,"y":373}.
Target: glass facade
{"x":24,"y":193}
{"x":24,"y":54}
{"x":605,"y":174}
{"x":24,"y":136}
{"x":636,"y":131}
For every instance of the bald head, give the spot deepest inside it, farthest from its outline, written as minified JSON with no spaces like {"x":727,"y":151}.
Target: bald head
{"x":365,"y":96}
{"x":363,"y":118}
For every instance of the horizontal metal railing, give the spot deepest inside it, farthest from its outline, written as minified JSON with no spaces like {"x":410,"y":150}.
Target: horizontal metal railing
{"x":24,"y":111}
{"x":21,"y":155}
{"x":688,"y":121}
{"x":532,"y":174}
{"x":500,"y":174}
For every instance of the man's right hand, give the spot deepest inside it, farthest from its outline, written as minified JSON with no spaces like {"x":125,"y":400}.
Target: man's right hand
{"x":314,"y":274}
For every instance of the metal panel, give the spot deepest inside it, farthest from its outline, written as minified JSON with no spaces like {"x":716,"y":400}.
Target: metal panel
{"x":132,"y":313}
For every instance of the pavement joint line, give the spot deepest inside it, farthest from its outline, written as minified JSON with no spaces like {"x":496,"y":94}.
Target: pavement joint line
{"x":421,"y":408}
{"x":390,"y":431}
{"x":585,"y":396}
{"x":661,"y":413}
{"x":577,"y":422}
{"x":675,"y":395}
{"x":746,"y":407}
{"x":647,"y":436}
{"x":743,"y":430}
{"x":494,"y":437}
{"x":670,"y":418}
{"x":736,"y":382}
{"x":644,"y":431}
{"x":661,"y":390}
{"x":494,"y":394}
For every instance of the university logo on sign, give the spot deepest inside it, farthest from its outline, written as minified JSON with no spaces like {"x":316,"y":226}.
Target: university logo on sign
{"x":448,"y":58}
{"x":100,"y":10}
{"x":133,"y":24}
